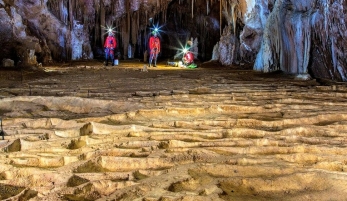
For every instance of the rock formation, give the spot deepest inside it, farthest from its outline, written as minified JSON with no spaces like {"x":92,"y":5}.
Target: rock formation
{"x":299,"y":37}
{"x":302,"y":37}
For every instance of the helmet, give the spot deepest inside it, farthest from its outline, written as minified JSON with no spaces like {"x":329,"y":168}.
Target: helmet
{"x":189,"y":44}
{"x":155,"y":31}
{"x":110,"y":31}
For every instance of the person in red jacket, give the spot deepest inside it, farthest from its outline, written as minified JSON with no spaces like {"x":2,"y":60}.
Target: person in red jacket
{"x":188,"y":57}
{"x":110,"y":45}
{"x":154,"y":47}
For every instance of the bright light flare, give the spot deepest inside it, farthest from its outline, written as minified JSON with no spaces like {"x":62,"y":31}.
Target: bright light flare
{"x":109,"y":29}
{"x":180,"y":50}
{"x":157,"y":29}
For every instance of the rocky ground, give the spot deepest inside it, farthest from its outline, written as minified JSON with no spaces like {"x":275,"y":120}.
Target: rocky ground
{"x":82,"y":131}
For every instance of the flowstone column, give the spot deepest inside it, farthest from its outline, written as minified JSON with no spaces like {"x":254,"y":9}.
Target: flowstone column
{"x":287,"y":38}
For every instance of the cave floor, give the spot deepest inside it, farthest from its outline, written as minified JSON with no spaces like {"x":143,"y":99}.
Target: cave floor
{"x":83,"y":131}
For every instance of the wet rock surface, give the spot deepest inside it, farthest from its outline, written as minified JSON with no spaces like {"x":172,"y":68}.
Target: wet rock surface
{"x":82,"y":131}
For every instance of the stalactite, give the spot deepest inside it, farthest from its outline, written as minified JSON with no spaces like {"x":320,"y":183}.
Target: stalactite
{"x":97,"y":27}
{"x":230,"y":13}
{"x":102,"y":20}
{"x":192,"y":9}
{"x":71,"y":14}
{"x":220,"y":16}
{"x":165,"y":16}
{"x":146,"y":12}
{"x":135,"y":27}
{"x":75,"y":10}
{"x":234,"y":16}
{"x":125,"y":37}
{"x":89,"y":10}
{"x":63,"y":12}
{"x":307,"y":47}
{"x":128,"y":17}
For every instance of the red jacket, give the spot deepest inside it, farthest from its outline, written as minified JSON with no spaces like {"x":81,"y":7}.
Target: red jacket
{"x":154,"y":42}
{"x":110,"y":42}
{"x":188,"y":58}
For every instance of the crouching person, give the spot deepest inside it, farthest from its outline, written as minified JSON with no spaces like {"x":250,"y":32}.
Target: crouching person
{"x":187,"y":59}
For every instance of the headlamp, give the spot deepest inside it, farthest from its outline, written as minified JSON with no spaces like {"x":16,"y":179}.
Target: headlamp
{"x":109,"y":29}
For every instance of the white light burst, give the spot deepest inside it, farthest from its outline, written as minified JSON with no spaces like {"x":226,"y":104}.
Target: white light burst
{"x":109,"y":29}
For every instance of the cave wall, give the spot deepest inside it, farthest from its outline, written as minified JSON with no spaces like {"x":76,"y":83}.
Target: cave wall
{"x":62,"y":30}
{"x":15,"y":40}
{"x":296,"y":36}
{"x":43,"y":37}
